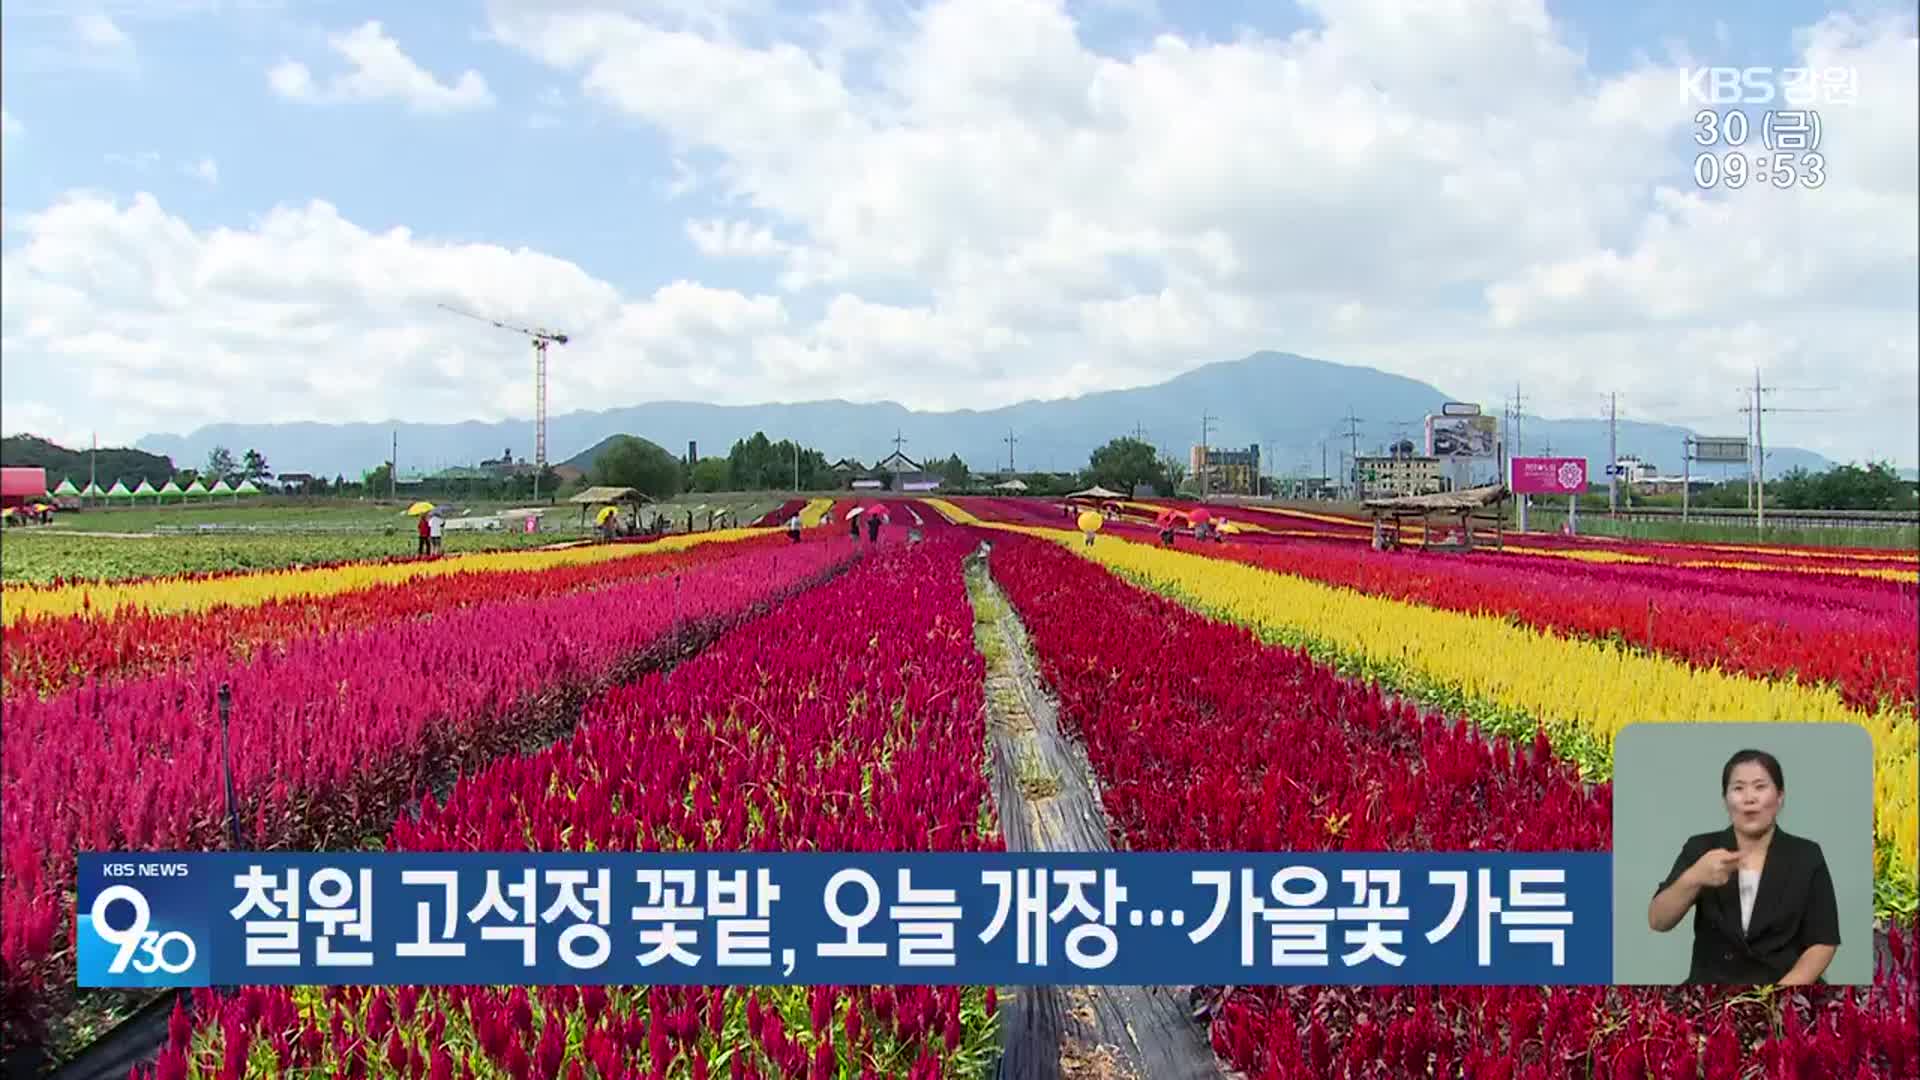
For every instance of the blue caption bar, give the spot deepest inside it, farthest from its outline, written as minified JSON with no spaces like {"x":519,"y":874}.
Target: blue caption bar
{"x":208,"y":919}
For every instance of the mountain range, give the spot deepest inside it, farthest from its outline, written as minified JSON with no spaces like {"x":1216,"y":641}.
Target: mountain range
{"x":1292,"y":406}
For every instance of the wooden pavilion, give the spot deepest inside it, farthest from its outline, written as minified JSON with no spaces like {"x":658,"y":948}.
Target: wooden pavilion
{"x":1447,"y":512}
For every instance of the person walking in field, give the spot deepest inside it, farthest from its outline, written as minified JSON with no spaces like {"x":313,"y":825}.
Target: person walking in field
{"x":426,"y":536}
{"x":436,"y":533}
{"x":873,"y":527}
{"x":793,"y":528}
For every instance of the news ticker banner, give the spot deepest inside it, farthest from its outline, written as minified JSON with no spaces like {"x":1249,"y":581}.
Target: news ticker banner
{"x":1034,"y":919}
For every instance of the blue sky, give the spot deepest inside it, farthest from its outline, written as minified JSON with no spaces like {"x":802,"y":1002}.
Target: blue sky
{"x":586,"y":181}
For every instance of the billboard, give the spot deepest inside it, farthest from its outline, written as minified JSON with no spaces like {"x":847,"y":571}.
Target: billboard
{"x":1731,"y":450}
{"x":1462,"y":436}
{"x":1549,"y":475}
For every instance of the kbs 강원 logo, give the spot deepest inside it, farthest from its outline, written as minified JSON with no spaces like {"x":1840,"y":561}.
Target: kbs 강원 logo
{"x":120,"y":945}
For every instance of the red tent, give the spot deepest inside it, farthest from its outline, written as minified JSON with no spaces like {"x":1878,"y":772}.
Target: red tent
{"x":20,"y":485}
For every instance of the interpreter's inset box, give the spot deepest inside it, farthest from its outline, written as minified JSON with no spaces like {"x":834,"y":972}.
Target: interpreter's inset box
{"x":1743,"y":854}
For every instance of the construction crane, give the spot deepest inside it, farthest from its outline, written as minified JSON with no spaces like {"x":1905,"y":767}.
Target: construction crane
{"x":541,"y":339}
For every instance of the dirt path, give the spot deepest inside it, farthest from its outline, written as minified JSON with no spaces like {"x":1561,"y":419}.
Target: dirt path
{"x":1048,"y":800}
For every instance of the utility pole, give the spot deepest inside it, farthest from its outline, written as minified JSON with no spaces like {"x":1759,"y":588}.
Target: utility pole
{"x":1206,"y":459}
{"x":393,"y":469}
{"x":1613,"y":453}
{"x":1353,"y":449}
{"x":1010,"y":440}
{"x":796,"y":466}
{"x":898,"y":440}
{"x":1757,"y":465}
{"x":1517,"y":444}
{"x":1323,"y":462}
{"x":1759,"y":458}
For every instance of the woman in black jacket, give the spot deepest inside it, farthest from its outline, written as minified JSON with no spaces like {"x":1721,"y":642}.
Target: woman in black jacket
{"x":1762,"y":899}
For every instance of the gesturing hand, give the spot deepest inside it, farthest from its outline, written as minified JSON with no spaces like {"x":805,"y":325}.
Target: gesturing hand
{"x":1714,"y":868}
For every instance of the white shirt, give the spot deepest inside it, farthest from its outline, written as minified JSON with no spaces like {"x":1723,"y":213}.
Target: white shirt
{"x":1749,"y":888}
{"x":435,"y":526}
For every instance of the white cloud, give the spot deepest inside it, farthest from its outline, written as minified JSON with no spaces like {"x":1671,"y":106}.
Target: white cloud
{"x":1376,"y":175}
{"x":206,"y":169}
{"x":733,"y":239}
{"x":10,"y":128}
{"x":967,"y":204}
{"x":88,"y":40}
{"x":100,"y":32}
{"x":379,"y":71}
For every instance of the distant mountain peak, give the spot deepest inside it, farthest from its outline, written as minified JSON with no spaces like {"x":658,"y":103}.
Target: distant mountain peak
{"x":1289,"y":404}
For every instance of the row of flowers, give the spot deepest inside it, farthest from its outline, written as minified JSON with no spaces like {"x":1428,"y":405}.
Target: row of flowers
{"x":1223,"y":743}
{"x":1658,"y":550}
{"x":1514,"y":678}
{"x":1893,"y":574}
{"x":1861,"y":641}
{"x":1842,"y":563}
{"x":1518,"y":677}
{"x":200,"y":592}
{"x":851,"y":720}
{"x":330,"y":737}
{"x":46,"y":654}
{"x":812,"y":512}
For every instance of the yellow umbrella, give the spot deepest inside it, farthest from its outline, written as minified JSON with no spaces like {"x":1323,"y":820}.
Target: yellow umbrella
{"x":1090,"y":521}
{"x":419,"y":508}
{"x":605,"y":513}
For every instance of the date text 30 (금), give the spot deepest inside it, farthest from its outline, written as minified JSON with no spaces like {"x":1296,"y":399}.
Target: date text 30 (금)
{"x":1788,"y":153}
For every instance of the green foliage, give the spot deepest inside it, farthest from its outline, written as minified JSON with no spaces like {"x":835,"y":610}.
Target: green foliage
{"x":758,"y":464}
{"x":1844,"y":487}
{"x":378,"y":481}
{"x":253,"y":465}
{"x":636,"y":463}
{"x":712,"y":474}
{"x":45,"y":555}
{"x":1126,"y":462}
{"x":953,"y":472}
{"x":220,"y":466}
{"x":132,"y":466}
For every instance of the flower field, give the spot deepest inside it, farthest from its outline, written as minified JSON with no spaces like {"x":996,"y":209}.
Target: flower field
{"x":1272,"y":522}
{"x":1515,"y":678}
{"x":47,"y":653}
{"x":40,"y":558}
{"x":876,"y":743}
{"x":189,"y":593}
{"x":1224,"y":743}
{"x":1857,"y":636}
{"x":332,"y":735}
{"x":1290,"y":689}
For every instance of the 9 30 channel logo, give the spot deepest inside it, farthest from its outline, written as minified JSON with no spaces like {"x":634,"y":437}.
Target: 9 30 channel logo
{"x":138,"y":924}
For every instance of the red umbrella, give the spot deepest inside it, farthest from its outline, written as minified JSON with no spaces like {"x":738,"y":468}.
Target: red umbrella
{"x":875,"y":508}
{"x":1167,"y":518}
{"x":1201,"y":516}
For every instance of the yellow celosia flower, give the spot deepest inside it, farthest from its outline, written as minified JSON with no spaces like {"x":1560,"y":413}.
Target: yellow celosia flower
{"x":1592,"y":688}
{"x":177,"y":595}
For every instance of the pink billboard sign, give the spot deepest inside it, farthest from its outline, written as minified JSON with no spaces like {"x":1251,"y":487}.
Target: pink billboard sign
{"x":1549,"y":475}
